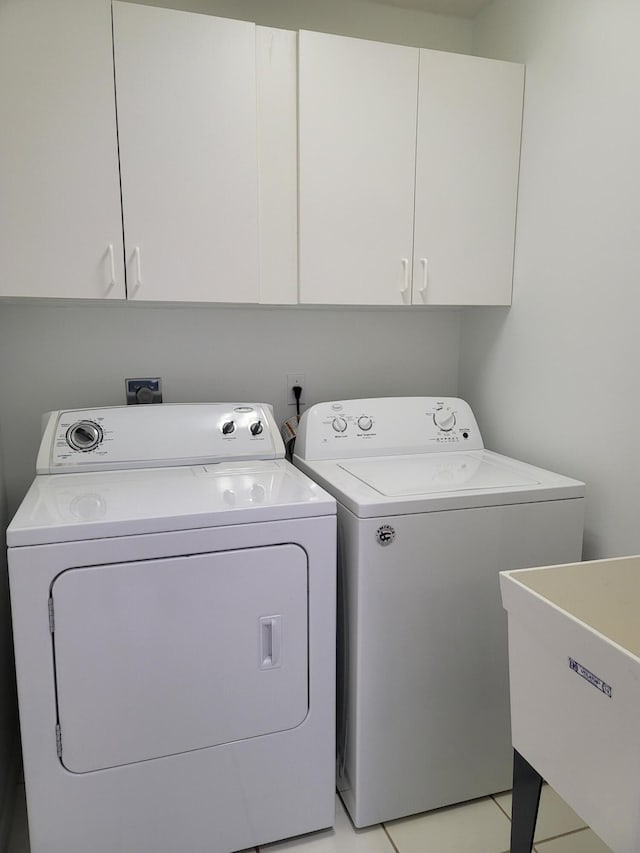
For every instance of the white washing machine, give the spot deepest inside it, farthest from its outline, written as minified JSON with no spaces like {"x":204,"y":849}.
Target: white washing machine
{"x":427,"y":518}
{"x":173,"y":598}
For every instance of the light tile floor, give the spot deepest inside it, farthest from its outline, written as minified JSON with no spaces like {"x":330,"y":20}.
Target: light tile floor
{"x":482,"y":826}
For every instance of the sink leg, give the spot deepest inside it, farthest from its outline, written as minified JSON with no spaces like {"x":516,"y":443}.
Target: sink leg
{"x":527,"y":784}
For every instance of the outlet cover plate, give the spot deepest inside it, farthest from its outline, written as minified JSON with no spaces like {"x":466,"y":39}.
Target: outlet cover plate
{"x":296,"y":379}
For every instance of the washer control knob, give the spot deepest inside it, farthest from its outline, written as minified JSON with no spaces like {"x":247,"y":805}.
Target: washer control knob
{"x":256,"y":428}
{"x":228,"y":427}
{"x":444,"y":419}
{"x":365,"y":423}
{"x":84,"y":436}
{"x":339,"y":424}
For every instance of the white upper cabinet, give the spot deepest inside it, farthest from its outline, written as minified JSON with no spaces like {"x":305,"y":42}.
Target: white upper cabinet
{"x":380,"y":175}
{"x":60,"y":218}
{"x":186,"y":104}
{"x":468,"y":154}
{"x":357,"y":137}
{"x":408,"y":174}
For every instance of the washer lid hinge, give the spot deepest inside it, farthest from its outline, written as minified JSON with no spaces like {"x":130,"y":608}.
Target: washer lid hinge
{"x":58,"y":740}
{"x":51,"y":620}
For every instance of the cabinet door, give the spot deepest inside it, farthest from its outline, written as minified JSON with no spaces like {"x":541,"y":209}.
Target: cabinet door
{"x":468,"y":154}
{"x":357,"y":119}
{"x":60,"y":219}
{"x":186,"y":102}
{"x":277,"y":70}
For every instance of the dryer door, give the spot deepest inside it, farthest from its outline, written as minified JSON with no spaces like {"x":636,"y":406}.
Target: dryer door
{"x":158,"y":657}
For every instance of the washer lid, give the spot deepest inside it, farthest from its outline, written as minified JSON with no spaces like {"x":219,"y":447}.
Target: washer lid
{"x":70,"y":507}
{"x":423,"y":475}
{"x":429,"y":482}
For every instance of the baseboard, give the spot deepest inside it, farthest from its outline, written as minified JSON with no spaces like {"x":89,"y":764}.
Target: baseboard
{"x":7,"y":805}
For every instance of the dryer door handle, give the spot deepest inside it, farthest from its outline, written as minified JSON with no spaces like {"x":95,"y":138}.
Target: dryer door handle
{"x":270,"y":642}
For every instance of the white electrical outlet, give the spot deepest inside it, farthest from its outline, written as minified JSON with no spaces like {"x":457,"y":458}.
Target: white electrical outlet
{"x":296,"y":379}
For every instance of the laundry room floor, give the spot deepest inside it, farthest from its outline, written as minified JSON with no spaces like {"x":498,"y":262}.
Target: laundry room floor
{"x":481,"y":826}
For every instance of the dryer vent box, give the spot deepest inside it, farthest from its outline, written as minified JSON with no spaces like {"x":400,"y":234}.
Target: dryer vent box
{"x":143,"y":390}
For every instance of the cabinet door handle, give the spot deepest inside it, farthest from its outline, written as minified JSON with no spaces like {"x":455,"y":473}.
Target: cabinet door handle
{"x":138,"y":264}
{"x":404,"y":290}
{"x":112,"y":267}
{"x":422,"y":289}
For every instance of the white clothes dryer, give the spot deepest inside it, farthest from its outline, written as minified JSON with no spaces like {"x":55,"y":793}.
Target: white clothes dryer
{"x":173,"y":597}
{"x":427,"y":518}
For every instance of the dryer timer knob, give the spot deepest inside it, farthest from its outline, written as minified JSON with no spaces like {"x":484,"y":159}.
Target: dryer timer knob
{"x":84,"y":436}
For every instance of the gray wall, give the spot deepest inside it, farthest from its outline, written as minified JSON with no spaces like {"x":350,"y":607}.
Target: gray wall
{"x":554,"y":379}
{"x":69,"y":355}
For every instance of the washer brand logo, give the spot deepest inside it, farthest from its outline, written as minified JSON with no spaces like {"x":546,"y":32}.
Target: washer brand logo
{"x":590,"y":677}
{"x":385,"y":534}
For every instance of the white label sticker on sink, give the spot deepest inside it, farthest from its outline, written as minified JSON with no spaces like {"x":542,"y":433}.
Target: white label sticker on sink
{"x":590,"y":677}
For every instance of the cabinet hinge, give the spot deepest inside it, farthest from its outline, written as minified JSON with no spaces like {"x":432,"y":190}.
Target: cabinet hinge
{"x":51,"y":620}
{"x":58,"y":740}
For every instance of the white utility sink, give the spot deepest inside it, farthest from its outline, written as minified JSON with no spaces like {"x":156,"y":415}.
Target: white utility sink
{"x":574,"y":665}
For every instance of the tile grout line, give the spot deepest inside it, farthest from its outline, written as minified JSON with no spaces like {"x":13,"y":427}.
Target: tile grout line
{"x":504,"y":811}
{"x":391,"y":841}
{"x":508,"y":817}
{"x":563,"y":835}
{"x":541,"y":840}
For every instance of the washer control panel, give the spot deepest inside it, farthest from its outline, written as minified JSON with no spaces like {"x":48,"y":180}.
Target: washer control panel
{"x":157,"y":436}
{"x":386,"y":426}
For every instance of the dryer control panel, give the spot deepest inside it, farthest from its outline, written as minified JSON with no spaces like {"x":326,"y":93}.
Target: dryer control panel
{"x":386,"y":426}
{"x":157,"y":436}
